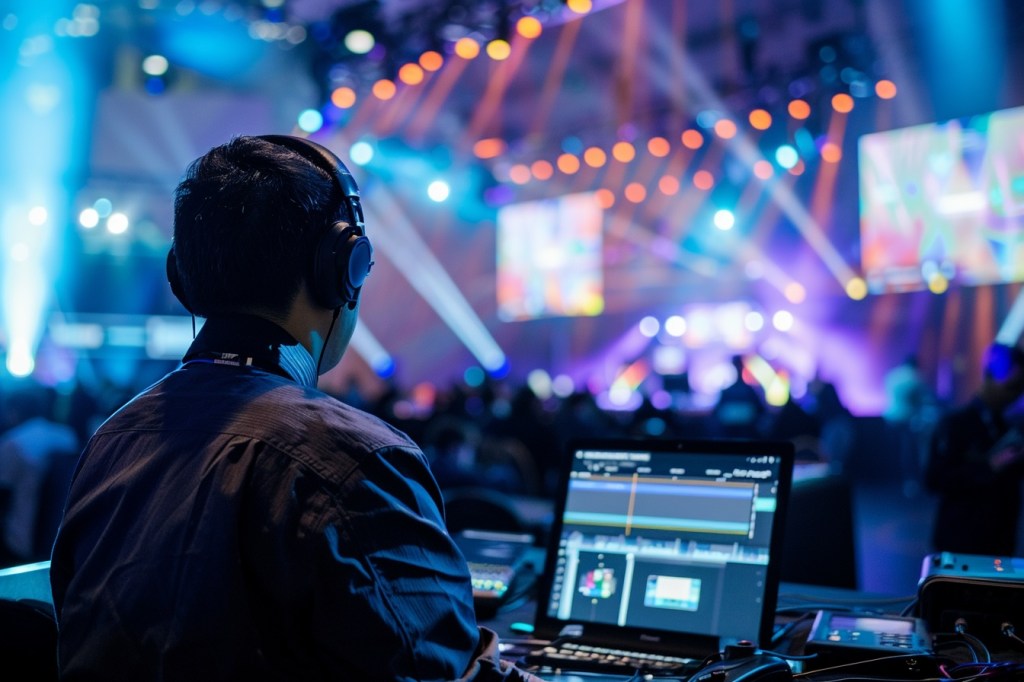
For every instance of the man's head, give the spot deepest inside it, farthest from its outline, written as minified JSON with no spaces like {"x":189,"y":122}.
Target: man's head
{"x":256,"y":218}
{"x":270,"y":225}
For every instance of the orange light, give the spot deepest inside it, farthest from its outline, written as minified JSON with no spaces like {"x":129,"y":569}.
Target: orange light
{"x":702,"y":179}
{"x":605,"y":198}
{"x":623,"y":152}
{"x":725,"y":128}
{"x":842,"y":103}
{"x":885,"y":89}
{"x":488,"y":148}
{"x":431,"y":61}
{"x":519,"y":174}
{"x":658,"y":146}
{"x":579,"y":6}
{"x":529,"y":27}
{"x":499,"y":50}
{"x":799,"y":109}
{"x":668,"y":185}
{"x":384,"y":89}
{"x":831,"y":152}
{"x":467,"y":48}
{"x":542,"y":170}
{"x":692,"y":139}
{"x":568,"y":163}
{"x":760,"y":119}
{"x":635,"y":192}
{"x":763,"y":169}
{"x":343,"y":97}
{"x":795,"y":292}
{"x":798,"y":169}
{"x":594,"y":157}
{"x":410,"y":74}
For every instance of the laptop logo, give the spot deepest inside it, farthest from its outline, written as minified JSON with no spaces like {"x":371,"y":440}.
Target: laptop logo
{"x":649,"y":638}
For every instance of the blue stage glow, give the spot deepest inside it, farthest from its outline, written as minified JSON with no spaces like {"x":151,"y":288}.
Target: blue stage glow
{"x":310,"y":120}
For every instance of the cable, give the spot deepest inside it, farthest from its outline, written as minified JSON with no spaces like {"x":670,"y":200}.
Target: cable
{"x":961,"y":629}
{"x":1009,"y":631}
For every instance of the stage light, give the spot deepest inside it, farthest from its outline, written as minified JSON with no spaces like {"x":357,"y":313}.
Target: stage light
{"x":519,"y":174}
{"x":563,"y":386}
{"x":725,"y":129}
{"x":489,"y":148}
{"x":623,"y":152}
{"x":20,"y":252}
{"x":831,"y":152}
{"x":885,"y":89}
{"x":635,"y":192}
{"x":155,"y":65}
{"x":103,"y":207}
{"x":542,"y":170}
{"x":795,"y":292}
{"x":431,"y":61}
{"x":359,"y":41}
{"x":799,"y":109}
{"x":117,"y":223}
{"x":594,"y":157}
{"x":579,"y":6}
{"x":499,"y":49}
{"x":384,"y":89}
{"x":798,"y":168}
{"x":410,"y":74}
{"x":568,"y":163}
{"x":539,"y":382}
{"x":704,"y":180}
{"x":692,"y":139}
{"x":361,"y":153}
{"x":438,"y":190}
{"x":605,"y":198}
{"x":649,"y":326}
{"x":675,"y":325}
{"x":310,"y":120}
{"x":760,"y":119}
{"x":842,"y":103}
{"x":783,"y":320}
{"x":856,"y":288}
{"x":343,"y":97}
{"x":89,"y":218}
{"x":938,"y":284}
{"x":724,"y":219}
{"x":529,"y":27}
{"x":763,"y":169}
{"x":467,"y":48}
{"x":753,"y":321}
{"x":786,"y":156}
{"x":658,"y":146}
{"x":669,"y":185}
{"x":474,"y":376}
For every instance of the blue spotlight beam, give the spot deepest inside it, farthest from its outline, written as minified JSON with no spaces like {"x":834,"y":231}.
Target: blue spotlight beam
{"x":406,"y":249}
{"x":367,"y":345}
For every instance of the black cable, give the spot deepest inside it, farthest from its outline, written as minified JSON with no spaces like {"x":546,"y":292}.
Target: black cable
{"x":961,"y":629}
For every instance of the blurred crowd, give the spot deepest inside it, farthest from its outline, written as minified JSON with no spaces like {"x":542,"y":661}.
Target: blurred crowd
{"x":497,"y":436}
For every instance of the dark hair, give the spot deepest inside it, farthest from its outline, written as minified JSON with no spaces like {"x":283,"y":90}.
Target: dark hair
{"x":247,"y":217}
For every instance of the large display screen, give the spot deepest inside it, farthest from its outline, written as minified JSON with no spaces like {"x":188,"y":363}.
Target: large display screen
{"x":550,"y":258}
{"x":943,"y":203}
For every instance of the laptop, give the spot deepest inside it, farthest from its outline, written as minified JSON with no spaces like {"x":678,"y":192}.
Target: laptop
{"x":664,"y":547}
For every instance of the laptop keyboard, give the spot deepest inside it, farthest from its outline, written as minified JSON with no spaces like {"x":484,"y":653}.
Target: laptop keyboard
{"x":581,"y":657}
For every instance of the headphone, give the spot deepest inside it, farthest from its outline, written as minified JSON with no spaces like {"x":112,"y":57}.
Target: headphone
{"x":343,"y":255}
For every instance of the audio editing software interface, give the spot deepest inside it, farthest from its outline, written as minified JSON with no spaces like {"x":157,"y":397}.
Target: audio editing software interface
{"x":668,"y":541}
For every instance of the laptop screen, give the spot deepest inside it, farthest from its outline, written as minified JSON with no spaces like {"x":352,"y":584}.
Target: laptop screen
{"x":672,"y":544}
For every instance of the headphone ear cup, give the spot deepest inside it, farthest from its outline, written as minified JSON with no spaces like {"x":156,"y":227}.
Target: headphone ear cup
{"x":341,"y":263}
{"x":174,"y":279}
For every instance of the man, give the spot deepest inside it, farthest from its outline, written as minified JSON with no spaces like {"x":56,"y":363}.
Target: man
{"x":232,"y":521}
{"x":976,"y":464}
